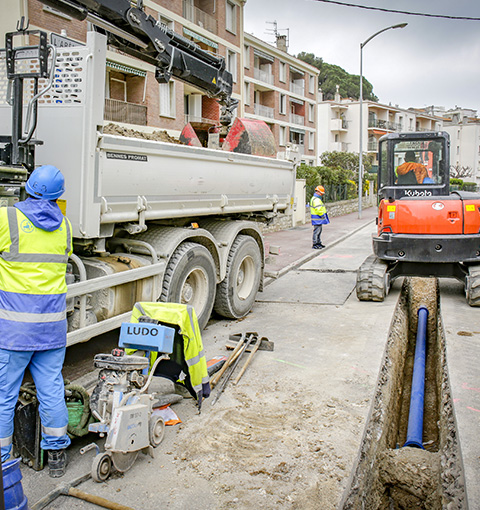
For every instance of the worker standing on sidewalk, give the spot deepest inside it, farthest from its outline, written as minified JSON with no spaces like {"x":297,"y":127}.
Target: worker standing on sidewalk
{"x":35,"y":243}
{"x":319,"y":217}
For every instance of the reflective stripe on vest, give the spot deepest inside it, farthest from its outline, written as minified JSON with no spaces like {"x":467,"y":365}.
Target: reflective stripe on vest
{"x":14,"y":256}
{"x":33,"y":285}
{"x":318,"y":209}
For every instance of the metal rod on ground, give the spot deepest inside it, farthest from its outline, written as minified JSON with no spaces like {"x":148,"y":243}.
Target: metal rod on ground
{"x":97,"y":500}
{"x":230,"y":360}
{"x":233,"y":367}
{"x":249,"y":359}
{"x":415,"y":415}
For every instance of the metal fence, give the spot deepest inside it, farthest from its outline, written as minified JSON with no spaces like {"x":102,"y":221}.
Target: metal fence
{"x":128,"y":113}
{"x":333,"y":193}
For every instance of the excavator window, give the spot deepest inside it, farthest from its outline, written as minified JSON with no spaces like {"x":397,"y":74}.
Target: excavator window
{"x":418,"y":162}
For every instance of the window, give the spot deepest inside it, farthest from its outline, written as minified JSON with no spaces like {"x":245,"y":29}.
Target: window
{"x":311,"y":112}
{"x":283,"y":104}
{"x":311,"y":84}
{"x":167,"y":99}
{"x":311,"y":141}
{"x":282,"y":135}
{"x":231,"y":17}
{"x":246,"y":56}
{"x":282,"y":73}
{"x":247,"y":93}
{"x":232,"y":64}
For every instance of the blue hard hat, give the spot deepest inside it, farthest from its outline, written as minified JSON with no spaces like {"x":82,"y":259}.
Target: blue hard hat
{"x":46,"y":182}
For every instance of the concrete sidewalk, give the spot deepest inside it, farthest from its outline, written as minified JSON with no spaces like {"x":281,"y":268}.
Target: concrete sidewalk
{"x":294,"y":245}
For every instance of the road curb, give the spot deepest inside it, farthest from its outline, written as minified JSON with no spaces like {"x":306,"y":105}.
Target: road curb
{"x":271,"y":276}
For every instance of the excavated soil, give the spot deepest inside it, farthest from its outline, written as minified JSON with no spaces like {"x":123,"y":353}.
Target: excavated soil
{"x":159,"y":136}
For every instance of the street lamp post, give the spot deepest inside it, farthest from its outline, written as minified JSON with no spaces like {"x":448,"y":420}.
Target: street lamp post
{"x":360,"y":156}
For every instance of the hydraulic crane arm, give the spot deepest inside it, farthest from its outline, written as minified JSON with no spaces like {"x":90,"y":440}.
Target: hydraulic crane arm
{"x":138,"y":34}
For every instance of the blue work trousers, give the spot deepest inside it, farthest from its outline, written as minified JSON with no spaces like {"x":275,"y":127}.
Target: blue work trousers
{"x":317,"y":233}
{"x":46,"y":369}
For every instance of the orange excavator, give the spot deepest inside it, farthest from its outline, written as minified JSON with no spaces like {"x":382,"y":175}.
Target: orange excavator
{"x":423,"y":229}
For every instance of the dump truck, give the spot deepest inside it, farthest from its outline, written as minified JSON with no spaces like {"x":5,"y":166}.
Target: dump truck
{"x":151,"y":220}
{"x":423,"y":228}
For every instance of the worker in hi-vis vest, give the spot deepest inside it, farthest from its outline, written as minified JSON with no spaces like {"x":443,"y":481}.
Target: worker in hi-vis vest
{"x":35,"y":244}
{"x":319,"y":217}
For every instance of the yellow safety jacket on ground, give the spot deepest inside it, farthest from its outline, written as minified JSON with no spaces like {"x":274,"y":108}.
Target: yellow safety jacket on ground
{"x":33,"y":290}
{"x":187,"y":364}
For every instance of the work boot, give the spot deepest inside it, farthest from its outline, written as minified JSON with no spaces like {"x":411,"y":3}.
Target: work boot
{"x":57,"y":463}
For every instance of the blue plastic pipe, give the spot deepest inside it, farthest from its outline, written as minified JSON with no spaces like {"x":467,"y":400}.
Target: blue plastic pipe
{"x":415,"y":416}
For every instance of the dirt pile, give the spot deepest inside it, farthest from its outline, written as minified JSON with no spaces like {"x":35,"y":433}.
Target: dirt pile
{"x":159,"y":136}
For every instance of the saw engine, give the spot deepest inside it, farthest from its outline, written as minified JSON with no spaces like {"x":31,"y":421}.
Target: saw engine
{"x":120,"y":401}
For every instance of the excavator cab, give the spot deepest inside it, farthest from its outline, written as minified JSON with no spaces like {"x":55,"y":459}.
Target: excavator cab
{"x":422,"y":229}
{"x":413,"y":165}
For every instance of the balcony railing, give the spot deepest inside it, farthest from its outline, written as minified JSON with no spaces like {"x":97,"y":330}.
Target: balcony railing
{"x":199,"y":17}
{"x":297,"y":119}
{"x":263,"y":111}
{"x":264,"y":76}
{"x":384,"y":124}
{"x":201,"y":120}
{"x":128,"y":113}
{"x":338,"y":125}
{"x":340,"y":146}
{"x":297,"y":88}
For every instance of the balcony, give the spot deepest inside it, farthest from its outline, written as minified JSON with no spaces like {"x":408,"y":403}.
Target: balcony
{"x":199,"y":17}
{"x":339,"y":146}
{"x":263,"y":111}
{"x":264,"y":76}
{"x":297,"y":119}
{"x":195,"y":119}
{"x":338,"y":125}
{"x":297,"y":88}
{"x":128,"y":113}
{"x":384,"y":124}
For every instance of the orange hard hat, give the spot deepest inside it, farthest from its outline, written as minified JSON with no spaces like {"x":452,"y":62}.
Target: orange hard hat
{"x":320,"y":189}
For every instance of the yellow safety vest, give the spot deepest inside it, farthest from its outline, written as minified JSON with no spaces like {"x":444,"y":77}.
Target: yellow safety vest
{"x":184,"y":317}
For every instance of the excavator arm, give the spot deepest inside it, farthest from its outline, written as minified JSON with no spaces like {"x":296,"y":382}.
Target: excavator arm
{"x":140,"y":35}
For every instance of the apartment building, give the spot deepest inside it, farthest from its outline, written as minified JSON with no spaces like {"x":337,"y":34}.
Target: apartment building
{"x":282,"y":91}
{"x":463,"y":126}
{"x":268,"y":83}
{"x":339,"y":124}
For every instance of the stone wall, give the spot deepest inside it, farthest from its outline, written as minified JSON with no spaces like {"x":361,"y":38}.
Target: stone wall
{"x":285,"y":221}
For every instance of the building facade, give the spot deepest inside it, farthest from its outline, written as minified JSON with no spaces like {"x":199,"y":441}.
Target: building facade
{"x":339,"y":125}
{"x":463,"y":126}
{"x":282,"y":91}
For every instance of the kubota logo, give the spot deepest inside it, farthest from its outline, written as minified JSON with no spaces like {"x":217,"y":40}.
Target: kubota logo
{"x":438,"y":206}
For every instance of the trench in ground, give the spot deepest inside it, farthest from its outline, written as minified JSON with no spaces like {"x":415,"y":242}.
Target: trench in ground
{"x":386,"y":474}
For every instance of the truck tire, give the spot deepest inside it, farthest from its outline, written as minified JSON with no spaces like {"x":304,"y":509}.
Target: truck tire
{"x":190,"y":278}
{"x":237,"y":292}
{"x":472,"y":286}
{"x":373,"y":282}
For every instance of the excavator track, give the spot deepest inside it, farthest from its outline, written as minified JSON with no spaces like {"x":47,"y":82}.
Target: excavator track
{"x":472,"y":286}
{"x":373,"y":280}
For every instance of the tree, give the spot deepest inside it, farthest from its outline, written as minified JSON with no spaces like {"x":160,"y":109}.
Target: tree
{"x":332,"y":75}
{"x":459,"y":172}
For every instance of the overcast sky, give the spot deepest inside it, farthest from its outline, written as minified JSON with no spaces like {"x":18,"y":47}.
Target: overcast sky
{"x":430,"y":62}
